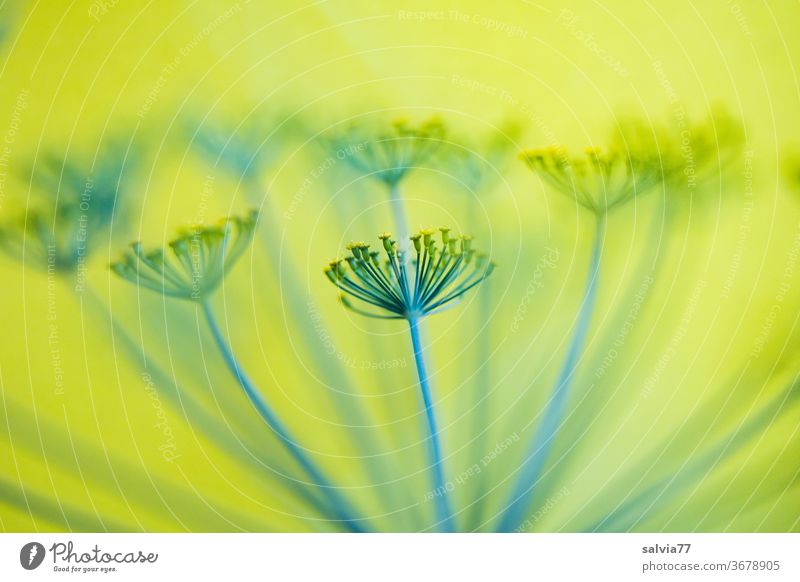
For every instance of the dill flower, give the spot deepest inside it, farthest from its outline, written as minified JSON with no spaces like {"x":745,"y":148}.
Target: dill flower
{"x":396,"y":289}
{"x":389,"y":154}
{"x":72,"y":207}
{"x":50,"y":238}
{"x":638,"y":159}
{"x":100,"y":186}
{"x":244,"y":150}
{"x":684,"y":153}
{"x":196,"y":262}
{"x":599,"y":180}
{"x":641,"y":155}
{"x":201,"y":258}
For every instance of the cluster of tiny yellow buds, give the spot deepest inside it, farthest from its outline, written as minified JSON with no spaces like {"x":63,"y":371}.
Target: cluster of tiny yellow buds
{"x":425,"y":238}
{"x":558,"y":157}
{"x":390,"y":152}
{"x":400,"y":124}
{"x":200,"y":259}
{"x":681,"y":155}
{"x":553,"y":154}
{"x":402,"y":288}
{"x":600,"y":179}
{"x":433,"y":126}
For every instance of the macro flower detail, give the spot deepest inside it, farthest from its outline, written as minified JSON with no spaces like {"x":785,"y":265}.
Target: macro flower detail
{"x":684,"y":154}
{"x":202,"y":256}
{"x":389,"y":154}
{"x":199,"y":259}
{"x":244,"y":150}
{"x":633,"y":367}
{"x":435,"y":278}
{"x":599,"y":180}
{"x":73,"y":206}
{"x":52,"y":238}
{"x":641,"y":155}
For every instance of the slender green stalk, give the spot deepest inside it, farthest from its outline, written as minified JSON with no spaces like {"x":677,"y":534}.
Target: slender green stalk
{"x":481,"y":388}
{"x":646,"y":268}
{"x":482,"y":401}
{"x":353,"y":411}
{"x":412,"y":289}
{"x":544,"y":437}
{"x":443,"y":512}
{"x":337,"y":502}
{"x":186,"y":402}
{"x":344,"y":395}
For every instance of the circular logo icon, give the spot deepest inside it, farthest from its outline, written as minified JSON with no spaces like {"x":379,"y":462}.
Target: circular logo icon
{"x":31,"y":555}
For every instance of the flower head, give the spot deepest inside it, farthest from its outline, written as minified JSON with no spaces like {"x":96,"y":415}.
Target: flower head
{"x":243,"y":150}
{"x":389,"y":154}
{"x":684,"y":154}
{"x":440,"y":273}
{"x":98,"y":187}
{"x":73,"y":206}
{"x":598,"y":180}
{"x":46,"y":238}
{"x":196,"y":262}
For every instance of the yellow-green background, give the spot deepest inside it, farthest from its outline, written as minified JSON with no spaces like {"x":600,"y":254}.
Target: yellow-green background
{"x":89,"y":459}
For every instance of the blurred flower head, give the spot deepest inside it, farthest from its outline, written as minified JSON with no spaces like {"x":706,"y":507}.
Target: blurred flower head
{"x":195,"y":263}
{"x":389,"y":153}
{"x":684,"y":153}
{"x":71,"y":208}
{"x":245,"y":149}
{"x":598,"y":180}
{"x":397,"y":289}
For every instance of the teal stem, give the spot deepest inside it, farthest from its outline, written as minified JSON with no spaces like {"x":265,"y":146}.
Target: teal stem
{"x":340,"y":387}
{"x":647,"y":266}
{"x":544,"y":437}
{"x":353,"y":410}
{"x":184,"y":401}
{"x":482,"y":401}
{"x":481,"y":398}
{"x":443,"y":512}
{"x":337,"y":502}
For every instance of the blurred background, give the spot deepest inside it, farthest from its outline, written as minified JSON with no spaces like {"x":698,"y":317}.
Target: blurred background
{"x":118,"y":413}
